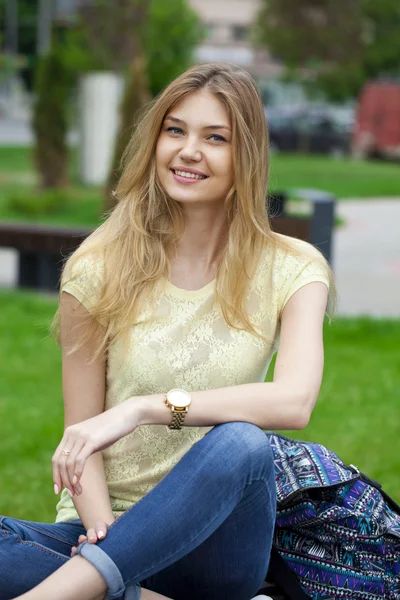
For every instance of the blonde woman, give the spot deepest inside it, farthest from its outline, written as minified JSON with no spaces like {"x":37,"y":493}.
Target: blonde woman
{"x":170,"y":313}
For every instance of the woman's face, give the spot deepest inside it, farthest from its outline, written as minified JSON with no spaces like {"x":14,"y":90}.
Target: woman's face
{"x":194,"y":150}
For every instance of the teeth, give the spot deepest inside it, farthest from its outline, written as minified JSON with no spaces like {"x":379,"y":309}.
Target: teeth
{"x":189,"y":175}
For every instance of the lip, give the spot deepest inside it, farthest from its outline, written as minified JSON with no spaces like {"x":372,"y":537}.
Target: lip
{"x":186,"y":180}
{"x":186,"y":170}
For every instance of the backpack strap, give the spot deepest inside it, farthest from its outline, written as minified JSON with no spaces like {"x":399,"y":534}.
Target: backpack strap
{"x":285,"y":578}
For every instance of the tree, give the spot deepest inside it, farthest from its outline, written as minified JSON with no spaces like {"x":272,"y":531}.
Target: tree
{"x":173,"y":32}
{"x":108,"y":37}
{"x":339,"y":44}
{"x":149,"y":41}
{"x":50,"y":116}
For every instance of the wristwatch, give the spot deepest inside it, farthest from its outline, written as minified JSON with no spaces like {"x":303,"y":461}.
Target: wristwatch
{"x":178,"y":401}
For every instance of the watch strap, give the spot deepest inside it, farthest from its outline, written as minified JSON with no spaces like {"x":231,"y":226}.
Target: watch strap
{"x":178,"y":417}
{"x":178,"y":414}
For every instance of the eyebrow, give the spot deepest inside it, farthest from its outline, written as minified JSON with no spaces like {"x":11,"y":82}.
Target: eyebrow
{"x":176,"y":120}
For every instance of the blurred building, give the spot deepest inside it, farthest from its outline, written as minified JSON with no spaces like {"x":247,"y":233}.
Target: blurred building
{"x":228,"y":24}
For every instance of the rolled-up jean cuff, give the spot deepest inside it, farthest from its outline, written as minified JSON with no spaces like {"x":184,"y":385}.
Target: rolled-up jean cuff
{"x":109,"y":571}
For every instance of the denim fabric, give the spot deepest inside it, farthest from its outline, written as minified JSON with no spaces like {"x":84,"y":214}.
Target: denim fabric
{"x":108,"y":569}
{"x":204,"y":531}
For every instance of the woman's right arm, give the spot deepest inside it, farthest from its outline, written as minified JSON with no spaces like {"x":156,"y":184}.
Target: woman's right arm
{"x":84,"y":387}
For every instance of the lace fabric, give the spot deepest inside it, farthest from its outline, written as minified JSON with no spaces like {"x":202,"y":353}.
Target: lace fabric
{"x":186,"y":345}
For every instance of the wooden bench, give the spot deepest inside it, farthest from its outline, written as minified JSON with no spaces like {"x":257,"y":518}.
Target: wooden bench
{"x":42,"y":248}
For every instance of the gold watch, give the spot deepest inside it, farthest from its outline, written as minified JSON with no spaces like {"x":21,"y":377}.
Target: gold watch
{"x":178,"y":401}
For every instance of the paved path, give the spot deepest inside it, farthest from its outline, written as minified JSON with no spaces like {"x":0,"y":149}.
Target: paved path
{"x":366,"y":258}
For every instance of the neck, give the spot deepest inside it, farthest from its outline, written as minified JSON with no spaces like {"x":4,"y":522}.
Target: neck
{"x":204,"y":237}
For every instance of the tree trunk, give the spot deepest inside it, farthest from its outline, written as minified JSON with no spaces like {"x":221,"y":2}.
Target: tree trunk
{"x":136,"y":94}
{"x":50,"y":120}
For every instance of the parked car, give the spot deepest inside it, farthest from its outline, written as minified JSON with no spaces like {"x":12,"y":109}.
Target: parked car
{"x":316,"y":129}
{"x":377,"y":128}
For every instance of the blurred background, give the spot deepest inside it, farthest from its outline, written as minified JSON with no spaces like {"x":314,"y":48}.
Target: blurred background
{"x":74,"y":73}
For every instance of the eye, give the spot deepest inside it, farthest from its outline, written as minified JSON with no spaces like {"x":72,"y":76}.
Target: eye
{"x":174,"y":130}
{"x":218,"y":138}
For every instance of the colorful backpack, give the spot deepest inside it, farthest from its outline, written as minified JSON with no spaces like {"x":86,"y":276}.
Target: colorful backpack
{"x":337,"y":534}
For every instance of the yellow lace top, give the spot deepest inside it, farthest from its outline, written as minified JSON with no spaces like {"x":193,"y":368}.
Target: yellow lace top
{"x":187,"y":345}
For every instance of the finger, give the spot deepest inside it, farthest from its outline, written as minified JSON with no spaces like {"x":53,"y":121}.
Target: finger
{"x":91,"y":536}
{"x":62,"y":463}
{"x":86,"y":450}
{"x":82,"y":538}
{"x":101,"y":529}
{"x":57,"y":481}
{"x":70,"y":466}
{"x":73,"y":551}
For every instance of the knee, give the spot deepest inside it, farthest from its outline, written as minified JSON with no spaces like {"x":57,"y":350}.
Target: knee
{"x":244,"y":441}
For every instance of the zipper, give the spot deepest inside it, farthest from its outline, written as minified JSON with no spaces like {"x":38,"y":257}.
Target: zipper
{"x":293,"y":495}
{"x":303,"y":491}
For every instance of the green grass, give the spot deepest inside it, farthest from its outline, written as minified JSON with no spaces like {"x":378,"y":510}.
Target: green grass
{"x":17,"y":174}
{"x":345,"y":178}
{"x":356,"y":415}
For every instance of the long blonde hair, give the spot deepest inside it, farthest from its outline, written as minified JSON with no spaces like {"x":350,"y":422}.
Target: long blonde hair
{"x":139,"y":238}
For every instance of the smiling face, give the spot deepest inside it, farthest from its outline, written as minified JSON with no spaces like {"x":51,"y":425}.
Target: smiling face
{"x":194,"y":150}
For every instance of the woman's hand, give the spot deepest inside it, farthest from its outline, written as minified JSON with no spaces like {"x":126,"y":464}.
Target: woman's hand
{"x":93,"y":534}
{"x":83,"y":439}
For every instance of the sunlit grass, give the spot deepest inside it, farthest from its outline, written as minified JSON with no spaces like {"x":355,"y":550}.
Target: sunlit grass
{"x":357,"y":414}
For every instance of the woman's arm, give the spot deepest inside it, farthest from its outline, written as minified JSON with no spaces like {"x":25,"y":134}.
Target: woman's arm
{"x":285,"y":403}
{"x":84,"y":396}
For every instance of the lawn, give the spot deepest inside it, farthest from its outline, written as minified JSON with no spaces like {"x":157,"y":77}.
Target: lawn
{"x":345,"y":178}
{"x":17,"y":175}
{"x":356,"y":415}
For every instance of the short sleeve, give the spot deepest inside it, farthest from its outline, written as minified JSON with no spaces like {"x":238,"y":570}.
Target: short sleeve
{"x":82,"y":278}
{"x":297,"y":270}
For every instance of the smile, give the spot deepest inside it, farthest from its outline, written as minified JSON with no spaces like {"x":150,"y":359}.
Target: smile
{"x":187,"y":177}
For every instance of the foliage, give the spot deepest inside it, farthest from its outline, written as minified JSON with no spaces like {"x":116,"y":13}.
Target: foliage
{"x":150,"y":42}
{"x":106,"y":35}
{"x":50,"y":118}
{"x":173,"y":32}
{"x":361,"y":381}
{"x":27,"y":32}
{"x":338,"y":44}
{"x":37,"y":203}
{"x":107,"y":38}
{"x":136,"y":95}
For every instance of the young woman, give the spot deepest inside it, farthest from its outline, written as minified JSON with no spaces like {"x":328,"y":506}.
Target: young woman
{"x":170,"y":313}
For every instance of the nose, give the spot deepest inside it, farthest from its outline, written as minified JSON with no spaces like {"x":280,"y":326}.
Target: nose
{"x":190,"y":151}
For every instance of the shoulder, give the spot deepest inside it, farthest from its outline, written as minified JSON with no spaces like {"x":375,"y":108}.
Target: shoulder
{"x":291,"y":255}
{"x":83,"y":263}
{"x":296,"y":263}
{"x":290,"y":248}
{"x":83,"y":276}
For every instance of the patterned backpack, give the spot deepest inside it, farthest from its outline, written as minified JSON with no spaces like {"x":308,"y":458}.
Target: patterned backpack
{"x":337,"y":534}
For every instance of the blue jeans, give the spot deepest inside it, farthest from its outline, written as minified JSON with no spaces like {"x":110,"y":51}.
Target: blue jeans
{"x":203,"y":532}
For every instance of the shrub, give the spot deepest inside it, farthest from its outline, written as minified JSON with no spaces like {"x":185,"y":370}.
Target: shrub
{"x":37,"y":203}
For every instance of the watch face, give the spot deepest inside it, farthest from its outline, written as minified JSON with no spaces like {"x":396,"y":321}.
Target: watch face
{"x":179,"y":398}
